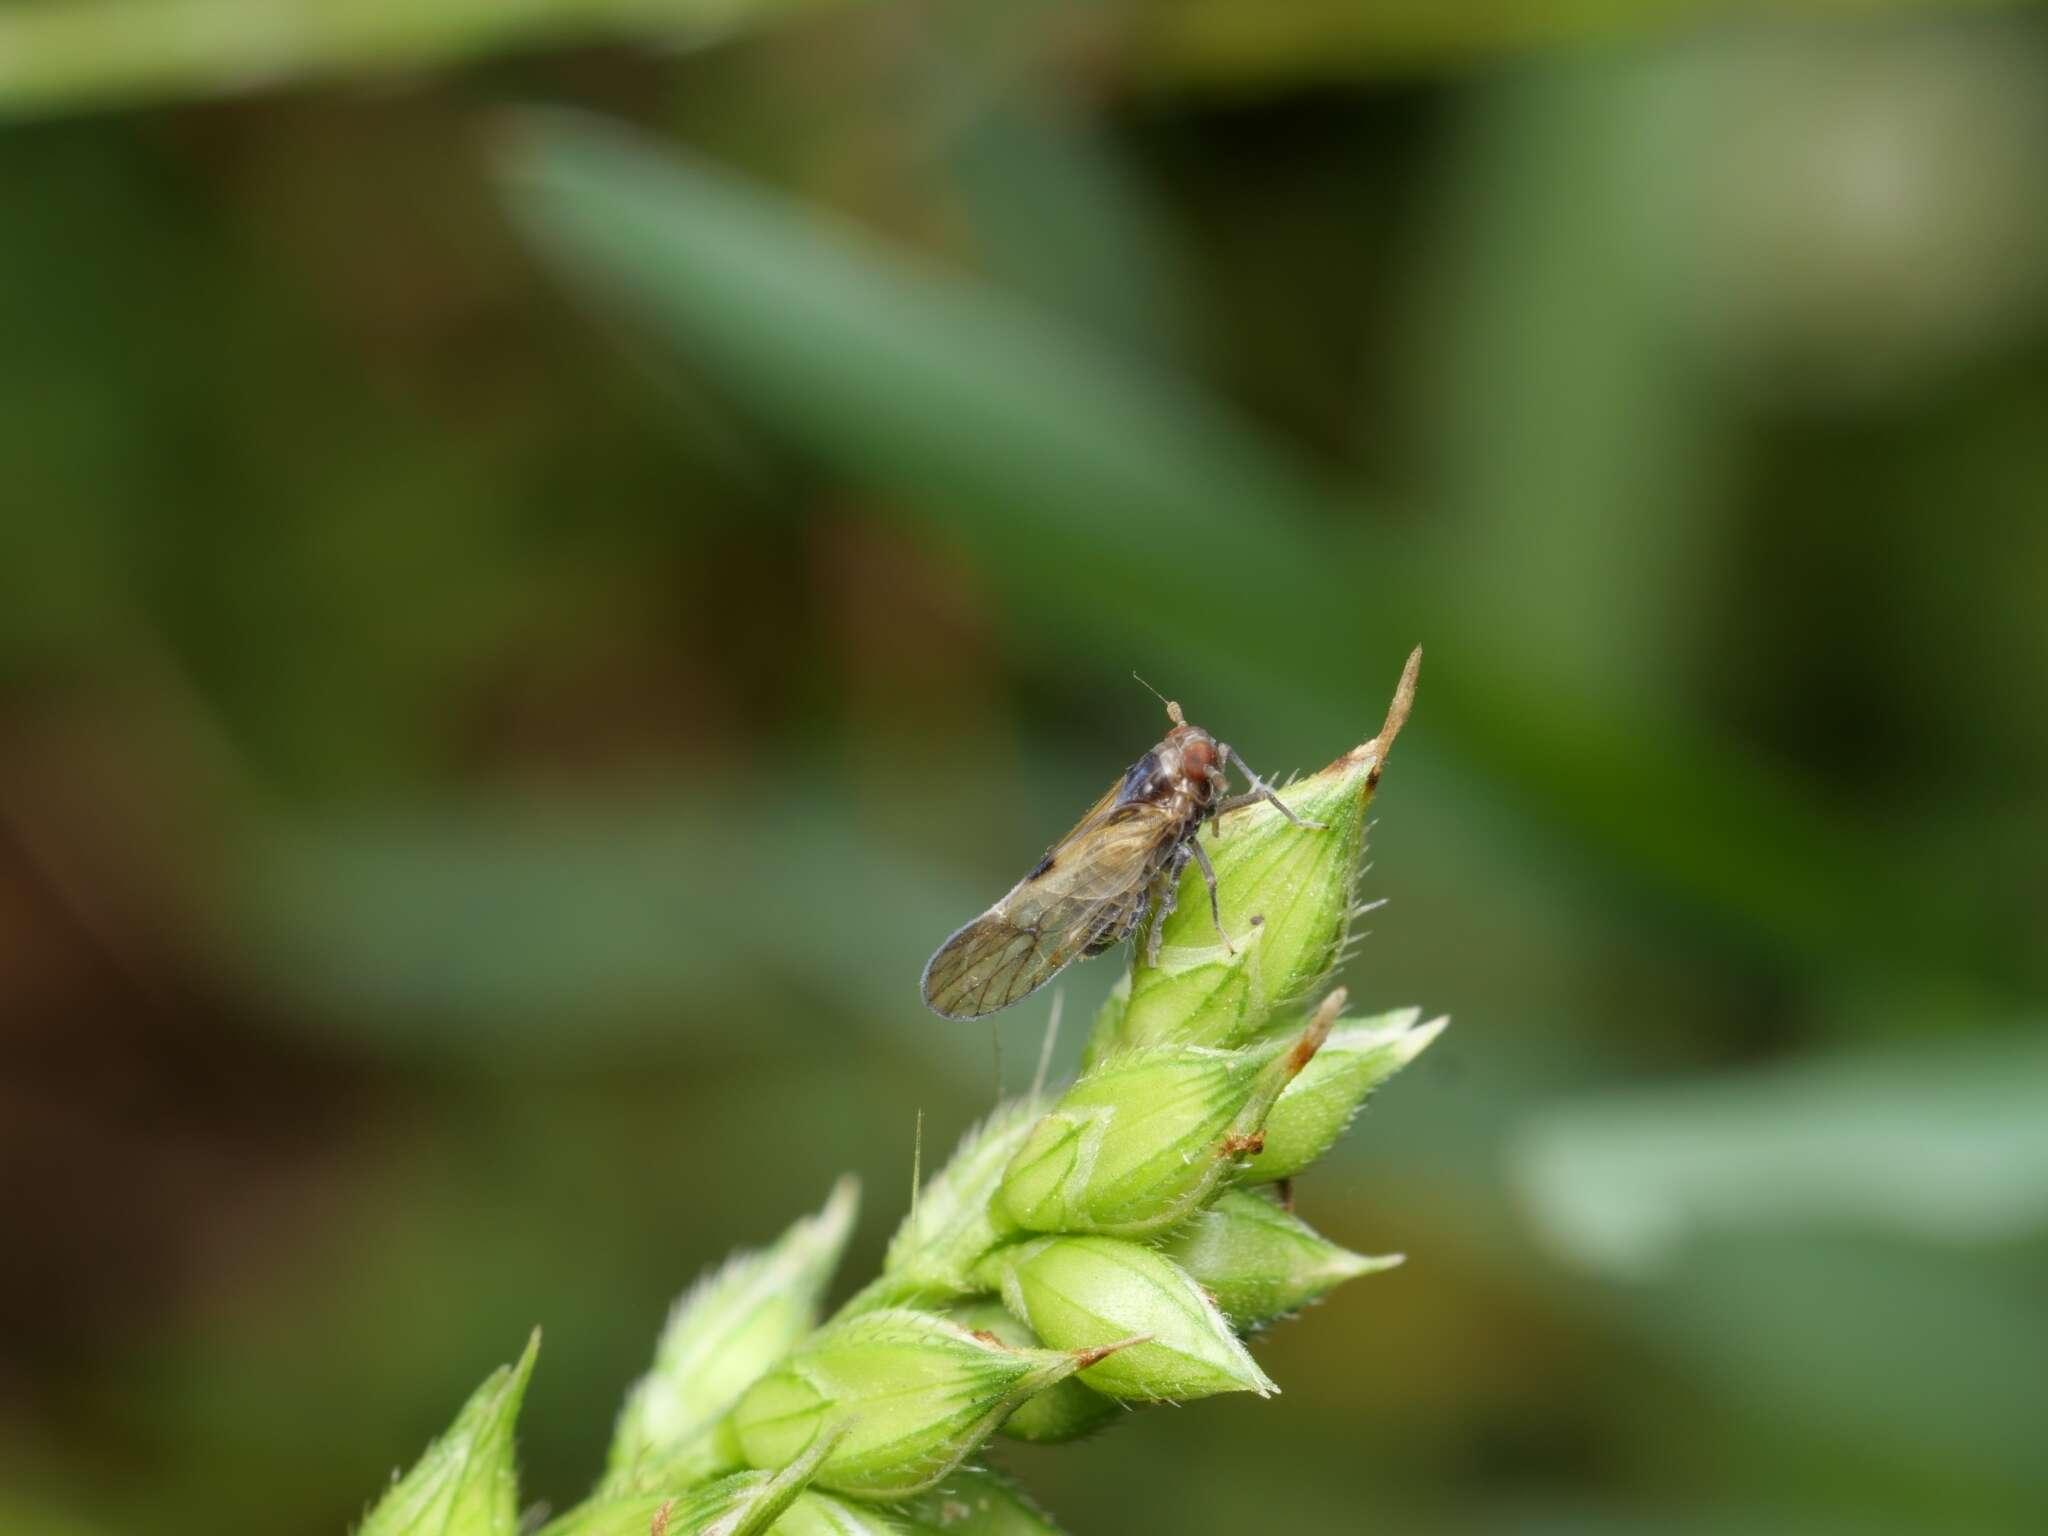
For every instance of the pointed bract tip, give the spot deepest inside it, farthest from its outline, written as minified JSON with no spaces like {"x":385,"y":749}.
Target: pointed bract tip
{"x":1416,"y":1040}
{"x":1397,"y":716}
{"x":1318,"y":1029}
{"x":1397,"y":711}
{"x":513,"y":1378}
{"x":1354,"y":1265}
{"x":842,"y":1205}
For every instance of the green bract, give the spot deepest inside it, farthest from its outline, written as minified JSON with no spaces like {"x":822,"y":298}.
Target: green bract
{"x":736,"y":1504}
{"x":1138,"y":1143}
{"x":955,"y":1222}
{"x":1087,"y":1292}
{"x":1260,"y":1262}
{"x":823,"y":1514}
{"x":974,"y":1501}
{"x":1065,"y":1411}
{"x":729,"y":1329}
{"x":465,"y":1484}
{"x":742,"y":1504}
{"x":971,"y":1501}
{"x":913,"y":1393}
{"x":1314,"y":1109}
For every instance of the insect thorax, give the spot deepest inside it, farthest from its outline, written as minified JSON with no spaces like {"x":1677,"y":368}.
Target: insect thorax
{"x":1164,"y":775}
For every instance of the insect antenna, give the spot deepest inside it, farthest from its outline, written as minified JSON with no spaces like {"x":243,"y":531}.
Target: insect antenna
{"x":1172,"y":709}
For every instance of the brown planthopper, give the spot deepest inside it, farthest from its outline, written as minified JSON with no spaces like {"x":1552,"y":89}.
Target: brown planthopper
{"x":1097,"y":885}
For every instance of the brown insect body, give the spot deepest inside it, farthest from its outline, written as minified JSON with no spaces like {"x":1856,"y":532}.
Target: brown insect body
{"x":1096,"y":885}
{"x":1178,"y":782}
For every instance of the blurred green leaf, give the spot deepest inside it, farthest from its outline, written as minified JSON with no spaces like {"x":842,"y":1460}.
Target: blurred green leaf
{"x":70,"y":55}
{"x":91,"y":53}
{"x":1577,"y":468}
{"x":1888,"y":1351}
{"x":1064,"y":217}
{"x":430,"y":934}
{"x":1946,"y":1143}
{"x":1732,"y":1517}
{"x":21,"y":1510}
{"x":917,"y":380}
{"x":1223,"y":45}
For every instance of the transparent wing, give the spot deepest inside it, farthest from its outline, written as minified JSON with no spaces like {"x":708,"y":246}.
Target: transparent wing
{"x":1087,"y":889}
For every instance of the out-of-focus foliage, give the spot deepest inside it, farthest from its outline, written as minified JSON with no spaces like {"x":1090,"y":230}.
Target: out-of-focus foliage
{"x":490,"y":730}
{"x":89,"y":53}
{"x":1944,"y":1143}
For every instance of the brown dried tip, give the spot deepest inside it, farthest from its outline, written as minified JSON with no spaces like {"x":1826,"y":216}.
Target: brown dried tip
{"x":1317,"y":1032}
{"x":1397,"y":716}
{"x":1083,"y":1358}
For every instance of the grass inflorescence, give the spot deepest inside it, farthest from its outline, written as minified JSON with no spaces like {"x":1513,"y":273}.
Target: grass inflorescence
{"x":1081,"y":1254}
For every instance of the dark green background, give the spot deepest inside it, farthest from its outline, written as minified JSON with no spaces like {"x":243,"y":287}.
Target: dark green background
{"x":513,"y":651}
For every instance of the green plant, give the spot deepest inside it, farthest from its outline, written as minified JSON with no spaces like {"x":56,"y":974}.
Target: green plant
{"x":1111,"y":1248}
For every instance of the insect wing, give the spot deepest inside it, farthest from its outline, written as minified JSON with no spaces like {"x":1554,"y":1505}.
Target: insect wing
{"x":1087,"y":889}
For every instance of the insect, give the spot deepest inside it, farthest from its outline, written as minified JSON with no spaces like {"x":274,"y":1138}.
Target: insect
{"x":1097,"y":885}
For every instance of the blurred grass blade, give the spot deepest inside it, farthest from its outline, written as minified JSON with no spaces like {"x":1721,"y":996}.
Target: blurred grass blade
{"x":1576,"y":470}
{"x":1945,"y":1143}
{"x":913,"y":380}
{"x":1220,"y":45}
{"x":1069,"y":222}
{"x":91,"y":53}
{"x":467,"y":1483}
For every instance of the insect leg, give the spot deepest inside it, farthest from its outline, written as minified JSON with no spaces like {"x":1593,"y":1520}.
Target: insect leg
{"x":1161,"y":896}
{"x":1260,"y":790}
{"x":1215,"y":906}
